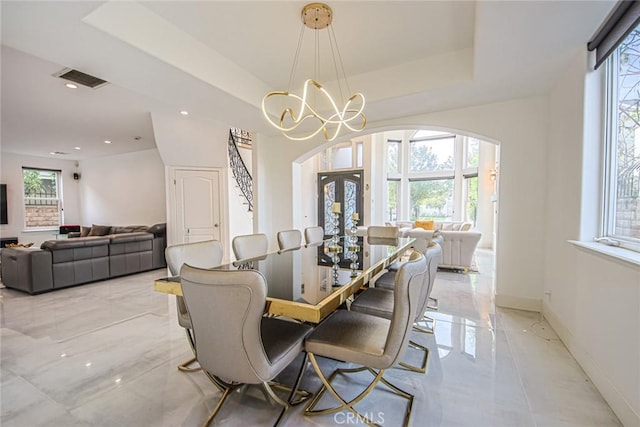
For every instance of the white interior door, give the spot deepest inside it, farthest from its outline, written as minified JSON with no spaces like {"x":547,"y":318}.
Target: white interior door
{"x":197,"y":205}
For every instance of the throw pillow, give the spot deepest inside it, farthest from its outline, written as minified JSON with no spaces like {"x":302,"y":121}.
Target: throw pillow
{"x":425,"y":225}
{"x":84,"y":231}
{"x":120,"y":230}
{"x":99,"y":230}
{"x":157,"y":229}
{"x":466,"y":227}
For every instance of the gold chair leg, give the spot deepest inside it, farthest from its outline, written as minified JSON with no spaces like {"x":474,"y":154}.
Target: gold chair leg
{"x":293,"y":392}
{"x":184,"y":366}
{"x":421,"y":369}
{"x":344,"y":405}
{"x":226,"y":388}
{"x":422,"y":325}
{"x":225,"y":394}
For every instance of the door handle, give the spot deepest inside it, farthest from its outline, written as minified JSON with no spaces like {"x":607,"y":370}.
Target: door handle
{"x":215,"y":225}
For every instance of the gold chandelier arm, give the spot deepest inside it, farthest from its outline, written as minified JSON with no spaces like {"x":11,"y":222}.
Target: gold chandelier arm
{"x":306,"y":112}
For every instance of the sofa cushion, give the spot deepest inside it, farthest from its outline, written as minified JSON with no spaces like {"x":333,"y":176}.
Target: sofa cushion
{"x":75,"y":243}
{"x":84,"y":231}
{"x":99,"y":230}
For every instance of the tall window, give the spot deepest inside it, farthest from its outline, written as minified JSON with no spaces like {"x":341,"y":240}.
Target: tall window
{"x":470,"y":174}
{"x":432,"y":175}
{"x":622,"y":210}
{"x":42,"y":207}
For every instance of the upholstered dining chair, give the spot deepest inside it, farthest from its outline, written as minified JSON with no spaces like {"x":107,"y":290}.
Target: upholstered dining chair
{"x":433,"y":255}
{"x":250,"y":246}
{"x":380,"y":302}
{"x":373,"y":342}
{"x":289,"y":239}
{"x":236,"y":344}
{"x":206,"y":254}
{"x":313,"y":236}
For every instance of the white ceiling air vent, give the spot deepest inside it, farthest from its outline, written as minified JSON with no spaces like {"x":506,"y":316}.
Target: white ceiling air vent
{"x":59,"y":153}
{"x":81,"y":78}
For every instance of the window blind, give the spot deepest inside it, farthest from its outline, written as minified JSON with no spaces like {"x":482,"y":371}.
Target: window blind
{"x":624,"y":17}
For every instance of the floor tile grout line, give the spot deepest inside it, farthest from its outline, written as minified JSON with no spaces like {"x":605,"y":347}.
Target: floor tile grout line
{"x":516,"y":363}
{"x":99,"y":328}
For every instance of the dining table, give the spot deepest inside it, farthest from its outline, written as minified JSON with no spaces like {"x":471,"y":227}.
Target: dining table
{"x":300,"y":283}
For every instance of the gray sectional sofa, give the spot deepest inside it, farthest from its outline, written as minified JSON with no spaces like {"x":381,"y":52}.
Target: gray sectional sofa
{"x":77,"y":260}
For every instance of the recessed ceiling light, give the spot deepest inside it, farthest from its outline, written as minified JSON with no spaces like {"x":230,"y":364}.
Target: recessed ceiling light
{"x":77,"y":148}
{"x":184,"y":112}
{"x":53,"y":153}
{"x":107,"y":141}
{"x":71,"y":86}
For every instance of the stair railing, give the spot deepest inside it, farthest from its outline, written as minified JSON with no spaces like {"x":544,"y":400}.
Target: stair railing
{"x":240,"y":172}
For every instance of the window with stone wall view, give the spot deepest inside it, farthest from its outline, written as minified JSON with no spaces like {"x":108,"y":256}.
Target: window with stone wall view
{"x":622,"y":205}
{"x":42,"y":208}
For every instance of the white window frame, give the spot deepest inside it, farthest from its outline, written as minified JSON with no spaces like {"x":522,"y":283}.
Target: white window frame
{"x":58,"y":199}
{"x":610,"y":166}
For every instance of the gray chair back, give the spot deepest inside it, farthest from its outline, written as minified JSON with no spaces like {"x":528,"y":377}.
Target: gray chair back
{"x":206,"y":254}
{"x":226,"y":308}
{"x":409,"y":281}
{"x":289,"y":239}
{"x":250,"y":246}
{"x":313,"y":235}
{"x":433,"y":255}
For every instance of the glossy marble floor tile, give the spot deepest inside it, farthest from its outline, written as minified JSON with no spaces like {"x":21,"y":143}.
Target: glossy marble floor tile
{"x":105,"y":354}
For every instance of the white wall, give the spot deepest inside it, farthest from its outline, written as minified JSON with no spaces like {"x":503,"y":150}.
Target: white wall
{"x":11,"y":174}
{"x":191,"y":142}
{"x":594,"y":303}
{"x":124,"y":189}
{"x":486,"y":190}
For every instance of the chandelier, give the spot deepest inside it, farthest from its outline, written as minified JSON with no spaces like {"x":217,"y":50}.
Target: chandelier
{"x":314,"y":111}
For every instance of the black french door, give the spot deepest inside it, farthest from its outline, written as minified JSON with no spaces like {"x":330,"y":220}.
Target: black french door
{"x":344,"y":188}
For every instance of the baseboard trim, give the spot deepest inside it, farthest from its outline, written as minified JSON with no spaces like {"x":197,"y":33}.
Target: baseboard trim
{"x":620,"y":406}
{"x":519,"y":303}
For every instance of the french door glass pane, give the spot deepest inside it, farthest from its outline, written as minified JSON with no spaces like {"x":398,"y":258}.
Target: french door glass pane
{"x":431,"y":155}
{"x":328,"y":200}
{"x":432,"y":199}
{"x":350,"y":203}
